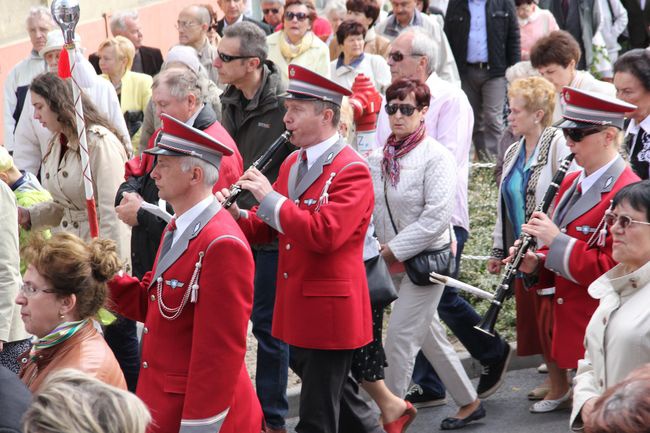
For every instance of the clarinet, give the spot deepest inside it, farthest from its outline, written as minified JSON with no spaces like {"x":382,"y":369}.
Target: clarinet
{"x":260,"y":164}
{"x":527,"y":242}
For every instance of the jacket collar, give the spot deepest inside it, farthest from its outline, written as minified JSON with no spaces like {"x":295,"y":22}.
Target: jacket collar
{"x":196,"y":226}
{"x":314,"y":172}
{"x":622,"y":283}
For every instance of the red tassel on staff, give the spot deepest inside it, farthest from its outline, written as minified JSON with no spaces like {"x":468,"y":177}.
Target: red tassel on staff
{"x":92,"y":217}
{"x":64,"y":65}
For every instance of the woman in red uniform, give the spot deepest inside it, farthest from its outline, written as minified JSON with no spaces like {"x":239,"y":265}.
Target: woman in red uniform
{"x":578,"y":248}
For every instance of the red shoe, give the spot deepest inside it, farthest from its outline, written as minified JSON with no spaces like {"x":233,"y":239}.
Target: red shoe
{"x":401,"y":424}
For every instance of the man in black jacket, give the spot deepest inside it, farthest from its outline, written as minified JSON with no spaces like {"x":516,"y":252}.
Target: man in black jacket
{"x":147,"y":60}
{"x":252,"y":112}
{"x":234,"y":13}
{"x":484,"y":37}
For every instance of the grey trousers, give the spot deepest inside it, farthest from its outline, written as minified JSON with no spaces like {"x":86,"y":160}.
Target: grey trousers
{"x":486,"y":96}
{"x":414,"y":324}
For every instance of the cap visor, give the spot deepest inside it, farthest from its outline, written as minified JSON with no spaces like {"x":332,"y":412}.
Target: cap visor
{"x":160,"y":151}
{"x":566,"y":123}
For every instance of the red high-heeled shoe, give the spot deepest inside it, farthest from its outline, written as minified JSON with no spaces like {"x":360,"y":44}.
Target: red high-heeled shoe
{"x":401,"y":424}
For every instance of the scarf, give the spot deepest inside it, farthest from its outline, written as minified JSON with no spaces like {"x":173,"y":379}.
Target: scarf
{"x":62,"y":332}
{"x":290,"y":51}
{"x":395,"y":149}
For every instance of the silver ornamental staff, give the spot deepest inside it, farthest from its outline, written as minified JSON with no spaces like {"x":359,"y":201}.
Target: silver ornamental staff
{"x":66,"y":14}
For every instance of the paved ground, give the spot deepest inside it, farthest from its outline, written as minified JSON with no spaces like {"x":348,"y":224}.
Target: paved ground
{"x":507,"y":411}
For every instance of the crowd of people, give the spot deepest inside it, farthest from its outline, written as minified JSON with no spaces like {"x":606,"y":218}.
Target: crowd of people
{"x":303,"y":172}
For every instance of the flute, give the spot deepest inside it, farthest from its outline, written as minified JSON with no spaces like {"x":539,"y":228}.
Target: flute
{"x":260,"y":164}
{"x":488,"y":322}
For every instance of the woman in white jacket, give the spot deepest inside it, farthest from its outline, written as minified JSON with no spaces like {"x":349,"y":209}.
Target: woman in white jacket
{"x":618,"y":335}
{"x":415,"y":185}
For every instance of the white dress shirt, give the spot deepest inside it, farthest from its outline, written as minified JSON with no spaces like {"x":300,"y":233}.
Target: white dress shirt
{"x":184,"y":220}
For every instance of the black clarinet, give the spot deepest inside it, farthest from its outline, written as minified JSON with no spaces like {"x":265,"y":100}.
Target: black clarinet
{"x":527,"y":242}
{"x":260,"y":164}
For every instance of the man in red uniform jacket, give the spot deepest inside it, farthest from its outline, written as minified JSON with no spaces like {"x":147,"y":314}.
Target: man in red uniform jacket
{"x":577,"y":246}
{"x":196,"y":301}
{"x":319,"y":209}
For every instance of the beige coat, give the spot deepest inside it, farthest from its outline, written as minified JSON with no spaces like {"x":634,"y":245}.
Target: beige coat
{"x":62,"y":177}
{"x":11,"y":325}
{"x":617,"y":339}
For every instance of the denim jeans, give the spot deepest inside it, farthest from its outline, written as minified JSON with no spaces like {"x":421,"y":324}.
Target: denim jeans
{"x":460,"y":317}
{"x":272,"y":354}
{"x":122,"y":337}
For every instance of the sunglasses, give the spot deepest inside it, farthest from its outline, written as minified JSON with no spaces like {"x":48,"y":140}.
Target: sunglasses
{"x":578,"y":134}
{"x":300,"y":16}
{"x":623,"y":221}
{"x":269,"y":11}
{"x":397,"y":56}
{"x":405,"y":109}
{"x":227,"y":58}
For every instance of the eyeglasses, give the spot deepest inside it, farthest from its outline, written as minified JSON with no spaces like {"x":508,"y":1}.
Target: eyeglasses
{"x":405,"y":109}
{"x":227,"y":58}
{"x":578,"y":134}
{"x":397,"y":56}
{"x":29,"y":291}
{"x":623,"y":221}
{"x":185,"y":24}
{"x":300,"y":16}
{"x":274,"y":11}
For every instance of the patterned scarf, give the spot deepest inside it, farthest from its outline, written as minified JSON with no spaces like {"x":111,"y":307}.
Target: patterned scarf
{"x":61,"y":333}
{"x":290,"y":51}
{"x":395,"y":149}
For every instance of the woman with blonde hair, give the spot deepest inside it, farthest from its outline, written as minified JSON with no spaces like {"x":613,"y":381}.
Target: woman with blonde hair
{"x":133,"y":88}
{"x":73,"y":402}
{"x":528,"y":167}
{"x":63,"y":289}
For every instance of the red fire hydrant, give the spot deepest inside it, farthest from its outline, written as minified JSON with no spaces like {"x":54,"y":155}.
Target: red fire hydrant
{"x":366,"y":103}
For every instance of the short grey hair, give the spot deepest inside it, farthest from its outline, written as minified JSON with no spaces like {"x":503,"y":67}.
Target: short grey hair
{"x":252,"y":40}
{"x":181,"y":82}
{"x":280,"y":2}
{"x":36,"y":12}
{"x":210,"y":172}
{"x":334,"y":5}
{"x":523,"y":69}
{"x":74,"y":402}
{"x":423,"y":45}
{"x":320,"y":106}
{"x":118,"y":20}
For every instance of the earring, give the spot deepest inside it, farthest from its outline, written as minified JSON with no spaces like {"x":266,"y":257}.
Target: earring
{"x":536,"y":121}
{"x":61,"y":316}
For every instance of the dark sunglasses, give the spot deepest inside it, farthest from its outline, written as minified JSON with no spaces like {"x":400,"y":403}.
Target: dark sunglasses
{"x":213,"y":27}
{"x":623,"y":221}
{"x":289,"y":16}
{"x":227,"y":58}
{"x":405,"y":109}
{"x":578,"y":134}
{"x":397,"y":56}
{"x":272,"y":10}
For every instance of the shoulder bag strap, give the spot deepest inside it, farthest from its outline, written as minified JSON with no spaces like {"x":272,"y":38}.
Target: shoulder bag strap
{"x":390,"y":214}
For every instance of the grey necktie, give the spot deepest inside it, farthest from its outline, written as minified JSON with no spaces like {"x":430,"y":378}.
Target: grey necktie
{"x":302,"y":167}
{"x":577,"y":193}
{"x":169,"y":237}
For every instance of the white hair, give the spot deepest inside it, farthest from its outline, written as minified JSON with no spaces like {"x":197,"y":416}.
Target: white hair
{"x":118,"y":20}
{"x":423,"y":45}
{"x":36,"y":12}
{"x":210,"y":172}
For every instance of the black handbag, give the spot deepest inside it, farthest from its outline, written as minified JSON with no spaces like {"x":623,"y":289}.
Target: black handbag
{"x":418,"y":267}
{"x":380,"y":284}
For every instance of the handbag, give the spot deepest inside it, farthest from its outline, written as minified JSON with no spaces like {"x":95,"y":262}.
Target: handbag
{"x":380,"y":284}
{"x":418,"y":267}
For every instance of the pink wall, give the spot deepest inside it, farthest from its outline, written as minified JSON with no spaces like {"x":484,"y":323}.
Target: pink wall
{"x":157,"y":23}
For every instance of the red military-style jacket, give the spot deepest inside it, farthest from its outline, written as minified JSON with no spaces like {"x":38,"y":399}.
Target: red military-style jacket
{"x":322,"y":299}
{"x":193,"y":377}
{"x":575,"y":259}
